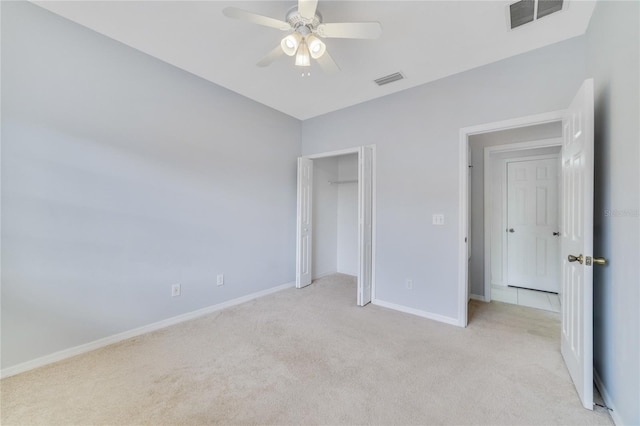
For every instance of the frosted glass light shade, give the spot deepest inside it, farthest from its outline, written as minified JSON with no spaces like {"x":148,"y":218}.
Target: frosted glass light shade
{"x":316,"y":47}
{"x":302,"y":57}
{"x":290,"y":44}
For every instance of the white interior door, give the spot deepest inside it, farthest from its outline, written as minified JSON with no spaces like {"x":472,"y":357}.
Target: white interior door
{"x":532,"y":224}
{"x":365,"y":221}
{"x":577,"y":242}
{"x":304,"y":223}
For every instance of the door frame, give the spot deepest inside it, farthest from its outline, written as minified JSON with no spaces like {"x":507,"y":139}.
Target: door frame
{"x":489,"y":163}
{"x":463,"y":192}
{"x":358,"y":151}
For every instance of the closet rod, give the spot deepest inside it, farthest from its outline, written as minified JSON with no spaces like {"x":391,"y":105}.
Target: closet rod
{"x":337,"y":182}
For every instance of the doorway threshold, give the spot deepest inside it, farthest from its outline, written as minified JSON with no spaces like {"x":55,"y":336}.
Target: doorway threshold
{"x":526,"y":297}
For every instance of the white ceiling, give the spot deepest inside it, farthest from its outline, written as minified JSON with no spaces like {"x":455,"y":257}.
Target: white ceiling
{"x":425,"y":40}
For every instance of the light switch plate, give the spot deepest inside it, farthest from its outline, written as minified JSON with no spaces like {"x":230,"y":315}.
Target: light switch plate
{"x":438,"y":219}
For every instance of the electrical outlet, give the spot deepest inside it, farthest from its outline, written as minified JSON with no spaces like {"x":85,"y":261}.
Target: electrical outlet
{"x":175,"y":290}
{"x":409,"y":284}
{"x":220,"y":280}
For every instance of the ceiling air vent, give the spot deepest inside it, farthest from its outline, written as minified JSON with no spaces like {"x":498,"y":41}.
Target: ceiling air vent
{"x":389,"y":79}
{"x":525,"y":11}
{"x":547,"y":7}
{"x":521,"y":12}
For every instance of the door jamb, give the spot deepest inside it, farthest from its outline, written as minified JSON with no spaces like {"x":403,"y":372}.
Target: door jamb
{"x":357,"y":150}
{"x":489,"y":163}
{"x":338,"y":153}
{"x":463,"y":192}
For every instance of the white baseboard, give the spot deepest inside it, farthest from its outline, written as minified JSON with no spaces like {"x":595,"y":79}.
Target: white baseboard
{"x":424,"y":314}
{"x":477,"y":297}
{"x":607,"y":400}
{"x":109,"y":340}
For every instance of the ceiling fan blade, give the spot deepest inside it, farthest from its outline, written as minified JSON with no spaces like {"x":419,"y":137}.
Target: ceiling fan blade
{"x":327,"y":64}
{"x":307,"y":8}
{"x":271,"y":56}
{"x":350,"y":30}
{"x":243,"y":15}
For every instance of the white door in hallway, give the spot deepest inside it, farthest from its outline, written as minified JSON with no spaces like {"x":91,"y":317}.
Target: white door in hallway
{"x":532,"y":224}
{"x":304,"y":224}
{"x":576,"y":242}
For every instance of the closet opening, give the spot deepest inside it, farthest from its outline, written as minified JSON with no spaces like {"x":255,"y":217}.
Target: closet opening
{"x":335,"y":220}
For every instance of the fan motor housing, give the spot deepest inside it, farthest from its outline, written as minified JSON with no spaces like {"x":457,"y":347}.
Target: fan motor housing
{"x":302,"y":25}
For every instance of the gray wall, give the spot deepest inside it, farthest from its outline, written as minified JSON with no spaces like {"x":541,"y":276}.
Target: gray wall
{"x":613,"y":58}
{"x":417,"y":138}
{"x":477,"y":144}
{"x":122,"y":175}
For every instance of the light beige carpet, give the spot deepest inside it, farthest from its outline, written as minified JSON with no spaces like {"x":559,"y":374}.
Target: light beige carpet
{"x":311,"y":356}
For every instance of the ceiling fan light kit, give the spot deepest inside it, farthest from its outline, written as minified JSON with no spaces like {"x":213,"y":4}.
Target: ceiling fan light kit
{"x":305,"y":25}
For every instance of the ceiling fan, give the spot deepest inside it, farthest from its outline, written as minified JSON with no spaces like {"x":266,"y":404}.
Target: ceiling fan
{"x":305,"y":27}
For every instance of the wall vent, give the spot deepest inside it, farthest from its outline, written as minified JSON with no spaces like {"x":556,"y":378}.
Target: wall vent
{"x":525,"y":11}
{"x":389,"y":79}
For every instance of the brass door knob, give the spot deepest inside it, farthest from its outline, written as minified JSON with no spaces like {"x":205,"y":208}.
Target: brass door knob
{"x":573,"y":258}
{"x":600,"y":261}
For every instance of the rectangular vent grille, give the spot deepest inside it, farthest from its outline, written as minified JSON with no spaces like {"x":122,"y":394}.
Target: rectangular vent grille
{"x":389,"y":79}
{"x":525,"y":11}
{"x":547,"y":7}
{"x":521,"y":12}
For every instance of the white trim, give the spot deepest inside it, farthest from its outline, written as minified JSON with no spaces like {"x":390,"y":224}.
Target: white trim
{"x":514,"y":123}
{"x":520,"y":146}
{"x":488,"y":199}
{"x":607,"y":400}
{"x":337,"y":153}
{"x":465,"y":132}
{"x":109,"y":340}
{"x":463,"y":237}
{"x":478,"y":297}
{"x":374,"y":189}
{"x":407,"y":310}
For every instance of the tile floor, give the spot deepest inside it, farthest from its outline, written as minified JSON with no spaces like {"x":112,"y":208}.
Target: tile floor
{"x":525,"y":297}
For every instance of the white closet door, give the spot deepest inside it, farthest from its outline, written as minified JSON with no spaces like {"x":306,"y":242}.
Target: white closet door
{"x":365,"y":212}
{"x":304,"y":223}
